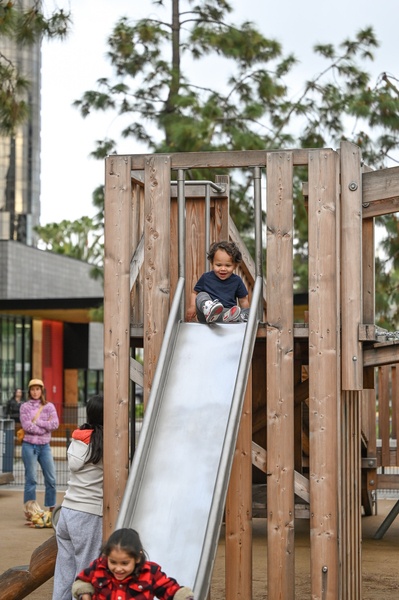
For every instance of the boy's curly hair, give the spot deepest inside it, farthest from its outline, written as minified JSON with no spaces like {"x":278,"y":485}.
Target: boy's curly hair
{"x":229,"y":247}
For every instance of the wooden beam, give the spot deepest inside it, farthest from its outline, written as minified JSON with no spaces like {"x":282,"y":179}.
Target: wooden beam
{"x":238,"y":529}
{"x":137,"y":262}
{"x":156,"y":266}
{"x":280,"y":377}
{"x":381,"y":354}
{"x":324,"y":372}
{"x":380,"y":192}
{"x":259,"y":459}
{"x":116,"y":335}
{"x":136,"y":372}
{"x":214,"y":160}
{"x":351,"y":267}
{"x":301,"y":391}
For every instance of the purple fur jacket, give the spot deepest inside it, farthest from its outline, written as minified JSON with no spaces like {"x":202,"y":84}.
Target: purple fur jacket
{"x":40,"y":432}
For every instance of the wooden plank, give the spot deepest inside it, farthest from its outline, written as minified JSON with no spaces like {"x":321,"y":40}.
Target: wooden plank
{"x":137,"y":255}
{"x":302,"y":487}
{"x":195,"y":245}
{"x":220,"y":212}
{"x":368,"y":266}
{"x":324,"y":372}
{"x":259,"y":457}
{"x":215,"y":160}
{"x":197,"y":192}
{"x":280,"y":377}
{"x":136,"y":372}
{"x":137,"y":262}
{"x":247,"y":267}
{"x":298,"y":414}
{"x":351,"y":267}
{"x":380,"y":192}
{"x":381,"y":354}
{"x":395,"y":408}
{"x":369,"y":428}
{"x":301,"y":484}
{"x":239,"y":510}
{"x":156,"y":268}
{"x":259,"y":397}
{"x":350,"y":496}
{"x":384,"y":413}
{"x":388,"y":482}
{"x":116,"y":335}
{"x":381,"y":207}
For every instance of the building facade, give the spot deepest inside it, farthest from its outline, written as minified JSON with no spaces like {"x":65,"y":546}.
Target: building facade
{"x":46,"y":300}
{"x":20,"y":154}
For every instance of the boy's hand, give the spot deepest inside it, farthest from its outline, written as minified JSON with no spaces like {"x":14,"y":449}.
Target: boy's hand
{"x":191,"y":314}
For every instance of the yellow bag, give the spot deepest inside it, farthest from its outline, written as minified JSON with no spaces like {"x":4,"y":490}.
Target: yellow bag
{"x":21,"y":432}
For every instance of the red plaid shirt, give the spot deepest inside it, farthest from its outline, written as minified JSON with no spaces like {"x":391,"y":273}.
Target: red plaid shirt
{"x":151,"y":582}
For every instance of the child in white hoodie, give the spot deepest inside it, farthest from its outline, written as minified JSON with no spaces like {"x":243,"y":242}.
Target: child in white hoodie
{"x":79,"y":526}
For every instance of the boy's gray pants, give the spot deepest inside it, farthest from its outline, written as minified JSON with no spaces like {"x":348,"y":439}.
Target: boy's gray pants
{"x":200,"y":300}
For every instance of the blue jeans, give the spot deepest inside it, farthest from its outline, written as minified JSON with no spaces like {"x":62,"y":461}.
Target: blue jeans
{"x":31,"y":455}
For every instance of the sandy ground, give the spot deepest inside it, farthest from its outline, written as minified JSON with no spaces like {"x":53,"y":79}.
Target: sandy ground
{"x":380,"y":558}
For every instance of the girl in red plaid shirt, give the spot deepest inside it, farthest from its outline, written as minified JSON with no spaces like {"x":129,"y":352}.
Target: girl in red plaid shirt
{"x":123,"y":572}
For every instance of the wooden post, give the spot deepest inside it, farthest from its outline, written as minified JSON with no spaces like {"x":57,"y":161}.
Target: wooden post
{"x":324,"y":372}
{"x":351,"y":267}
{"x":280,"y":377}
{"x":156,"y":261}
{"x":239,"y":510}
{"x":350,"y":501}
{"x":368,"y":400}
{"x":116,"y":335}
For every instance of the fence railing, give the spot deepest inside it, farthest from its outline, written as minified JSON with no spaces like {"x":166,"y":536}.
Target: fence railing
{"x":10,"y":453}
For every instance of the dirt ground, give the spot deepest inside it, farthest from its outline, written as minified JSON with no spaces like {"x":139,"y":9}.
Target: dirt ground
{"x":380,"y":558}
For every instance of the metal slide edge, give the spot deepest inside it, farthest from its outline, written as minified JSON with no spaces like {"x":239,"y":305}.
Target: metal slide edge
{"x":142,"y":456}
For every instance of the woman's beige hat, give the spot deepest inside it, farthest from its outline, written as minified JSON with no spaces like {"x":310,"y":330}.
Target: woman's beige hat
{"x":36,"y":382}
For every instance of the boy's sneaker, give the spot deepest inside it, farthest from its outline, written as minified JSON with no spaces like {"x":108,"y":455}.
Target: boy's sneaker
{"x":212,"y":310}
{"x":233,"y":314}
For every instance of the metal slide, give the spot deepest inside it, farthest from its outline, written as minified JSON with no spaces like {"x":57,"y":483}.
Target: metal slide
{"x":178,"y":480}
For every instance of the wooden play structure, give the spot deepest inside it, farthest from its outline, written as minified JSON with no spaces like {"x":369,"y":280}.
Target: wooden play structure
{"x":308,"y":426}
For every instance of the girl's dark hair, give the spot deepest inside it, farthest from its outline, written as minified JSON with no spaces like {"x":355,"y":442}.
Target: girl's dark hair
{"x":129,"y":541}
{"x":95,"y":419}
{"x":229,"y":247}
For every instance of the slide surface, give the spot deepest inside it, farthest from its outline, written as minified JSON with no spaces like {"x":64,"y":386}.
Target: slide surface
{"x":178,"y":481}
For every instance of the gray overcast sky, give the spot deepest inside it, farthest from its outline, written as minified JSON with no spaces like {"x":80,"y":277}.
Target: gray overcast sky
{"x":71,"y":67}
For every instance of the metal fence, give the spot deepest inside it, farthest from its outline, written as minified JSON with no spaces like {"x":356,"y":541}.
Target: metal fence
{"x":11,"y":461}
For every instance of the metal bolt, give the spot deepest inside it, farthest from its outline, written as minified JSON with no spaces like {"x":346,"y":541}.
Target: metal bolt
{"x":353,"y":186}
{"x":354,"y":358}
{"x":324,"y":569}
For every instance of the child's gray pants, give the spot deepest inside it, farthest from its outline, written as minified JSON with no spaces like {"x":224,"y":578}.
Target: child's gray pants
{"x":79,"y":541}
{"x":200,"y":300}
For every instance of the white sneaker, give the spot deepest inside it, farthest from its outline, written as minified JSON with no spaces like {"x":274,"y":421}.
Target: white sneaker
{"x":233,"y":314}
{"x":212,"y":310}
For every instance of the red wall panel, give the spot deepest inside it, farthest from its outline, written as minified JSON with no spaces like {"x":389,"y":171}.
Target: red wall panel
{"x":52,"y":362}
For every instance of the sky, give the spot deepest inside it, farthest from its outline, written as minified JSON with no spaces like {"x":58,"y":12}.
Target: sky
{"x":69,"y":68}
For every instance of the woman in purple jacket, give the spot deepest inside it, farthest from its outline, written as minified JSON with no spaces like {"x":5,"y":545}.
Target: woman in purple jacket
{"x":38,"y":419}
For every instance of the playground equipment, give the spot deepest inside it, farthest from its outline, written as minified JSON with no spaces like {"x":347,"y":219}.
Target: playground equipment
{"x":296,"y":410}
{"x":309,"y":406}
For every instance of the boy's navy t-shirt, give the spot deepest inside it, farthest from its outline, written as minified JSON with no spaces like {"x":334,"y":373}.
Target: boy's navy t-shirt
{"x":225,"y":290}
